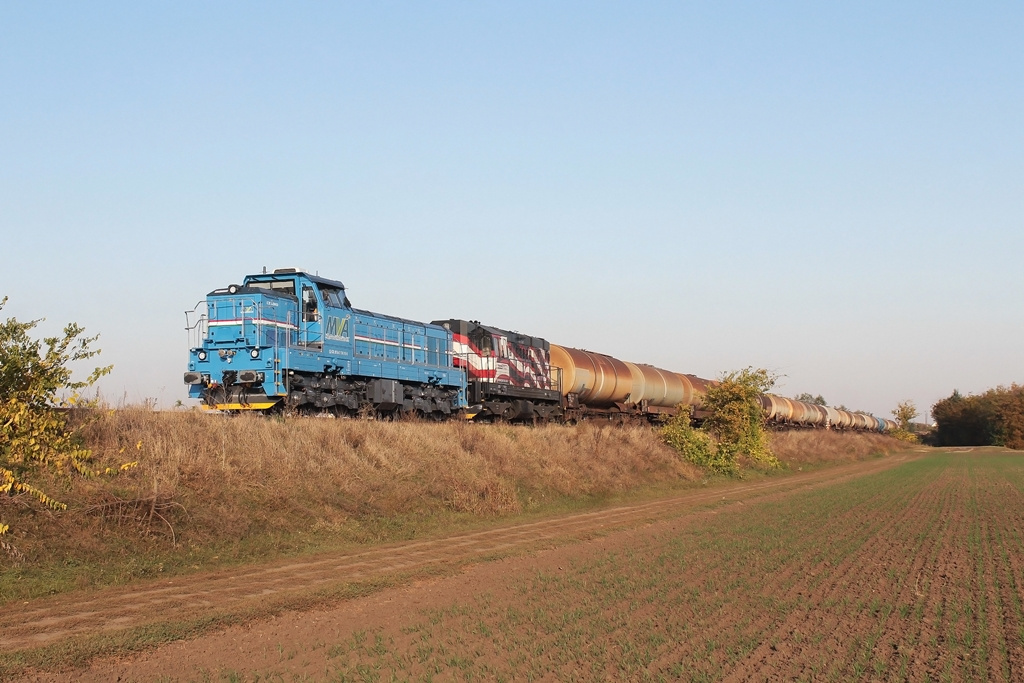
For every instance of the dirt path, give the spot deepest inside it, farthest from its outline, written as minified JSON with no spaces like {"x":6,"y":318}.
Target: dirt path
{"x":237,"y":591}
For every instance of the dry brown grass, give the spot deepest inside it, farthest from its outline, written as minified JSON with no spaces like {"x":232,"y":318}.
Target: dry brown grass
{"x":208,"y":481}
{"x":385,"y":467}
{"x":815,"y":446}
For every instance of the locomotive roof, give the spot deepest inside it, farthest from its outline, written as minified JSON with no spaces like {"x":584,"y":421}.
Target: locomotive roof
{"x":396,"y":319}
{"x":287,"y":272}
{"x":324,"y":281}
{"x":466,"y":326}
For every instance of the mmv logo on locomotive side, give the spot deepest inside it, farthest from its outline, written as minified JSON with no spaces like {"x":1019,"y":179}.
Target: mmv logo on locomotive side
{"x":336,"y":328}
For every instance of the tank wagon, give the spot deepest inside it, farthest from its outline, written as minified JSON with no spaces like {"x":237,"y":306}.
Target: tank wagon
{"x":292,"y":339}
{"x":598,"y":385}
{"x":289,"y":338}
{"x":790,"y":412}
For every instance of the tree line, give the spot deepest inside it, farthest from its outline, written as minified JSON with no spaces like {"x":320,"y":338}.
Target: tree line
{"x":994,"y":418}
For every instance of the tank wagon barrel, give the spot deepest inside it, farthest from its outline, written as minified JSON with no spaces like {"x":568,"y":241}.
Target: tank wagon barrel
{"x":597,"y":379}
{"x":788,"y":411}
{"x":603,"y":383}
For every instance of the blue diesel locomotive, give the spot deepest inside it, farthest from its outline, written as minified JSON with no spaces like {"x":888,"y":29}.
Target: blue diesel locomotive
{"x":292,"y":339}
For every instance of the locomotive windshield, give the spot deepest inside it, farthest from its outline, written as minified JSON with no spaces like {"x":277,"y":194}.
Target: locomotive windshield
{"x":482,"y":339}
{"x":334,"y":297}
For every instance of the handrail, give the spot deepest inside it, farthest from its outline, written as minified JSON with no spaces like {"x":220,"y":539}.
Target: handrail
{"x":197,"y":331}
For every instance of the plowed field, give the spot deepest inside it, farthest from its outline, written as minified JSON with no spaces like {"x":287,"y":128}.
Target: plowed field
{"x":897,"y":569}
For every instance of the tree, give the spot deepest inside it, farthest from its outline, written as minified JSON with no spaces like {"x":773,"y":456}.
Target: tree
{"x":995,"y":418}
{"x":818,"y":400}
{"x":904,"y":412}
{"x":35,"y":379}
{"x":963,"y":420}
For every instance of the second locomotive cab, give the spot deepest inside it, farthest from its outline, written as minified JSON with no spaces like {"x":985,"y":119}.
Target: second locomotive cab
{"x":509,"y":375}
{"x":292,"y":338}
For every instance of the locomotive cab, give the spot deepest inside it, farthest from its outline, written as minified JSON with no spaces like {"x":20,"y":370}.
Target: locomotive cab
{"x":313,"y":297}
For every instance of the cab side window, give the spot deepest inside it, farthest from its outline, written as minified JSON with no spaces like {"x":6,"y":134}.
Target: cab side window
{"x":309,"y":306}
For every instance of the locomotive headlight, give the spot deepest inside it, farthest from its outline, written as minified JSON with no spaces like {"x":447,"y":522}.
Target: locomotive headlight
{"x":201,"y":355}
{"x":255,"y":353}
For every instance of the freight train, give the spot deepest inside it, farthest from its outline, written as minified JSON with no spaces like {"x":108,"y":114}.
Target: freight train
{"x":289,"y":339}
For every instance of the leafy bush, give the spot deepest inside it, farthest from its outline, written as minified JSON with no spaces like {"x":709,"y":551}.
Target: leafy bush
{"x":34,"y":380}
{"x":734,"y":427}
{"x":695,"y":445}
{"x":737,"y":418}
{"x":904,"y":435}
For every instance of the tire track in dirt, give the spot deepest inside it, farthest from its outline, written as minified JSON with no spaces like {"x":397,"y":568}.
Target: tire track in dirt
{"x":47,"y":621}
{"x":889,"y":550}
{"x":926,"y":512}
{"x":954,"y":601}
{"x":1009,"y":541}
{"x":731,"y":619}
{"x":929,"y":657}
{"x":751,"y":625}
{"x":990,"y":619}
{"x":639,"y":606}
{"x":885,"y":629}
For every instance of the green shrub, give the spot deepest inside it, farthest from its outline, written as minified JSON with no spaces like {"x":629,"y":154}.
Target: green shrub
{"x":904,"y":435}
{"x":35,"y":377}
{"x":734,"y":428}
{"x":736,"y":417}
{"x":695,"y":445}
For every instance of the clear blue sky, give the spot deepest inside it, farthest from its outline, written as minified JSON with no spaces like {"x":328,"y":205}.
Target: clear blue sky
{"x":834,"y":191}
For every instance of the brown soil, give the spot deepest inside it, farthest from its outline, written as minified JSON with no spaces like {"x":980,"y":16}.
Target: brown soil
{"x":267,"y":644}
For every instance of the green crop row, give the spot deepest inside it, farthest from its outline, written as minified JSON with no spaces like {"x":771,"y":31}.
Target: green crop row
{"x":909,"y":573}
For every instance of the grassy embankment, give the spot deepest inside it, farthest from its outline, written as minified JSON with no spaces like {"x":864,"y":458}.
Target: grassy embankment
{"x":211,"y":491}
